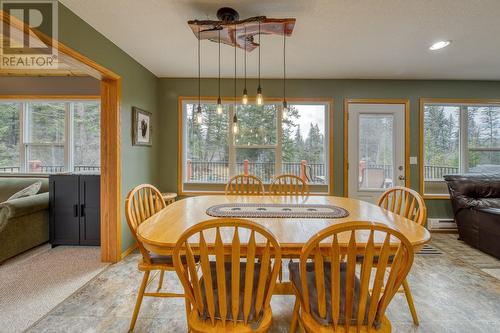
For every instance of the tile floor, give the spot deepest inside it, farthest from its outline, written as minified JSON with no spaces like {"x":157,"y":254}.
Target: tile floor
{"x":452,"y":293}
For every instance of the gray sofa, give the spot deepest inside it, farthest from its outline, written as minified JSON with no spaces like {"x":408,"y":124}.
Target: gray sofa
{"x":24,"y":222}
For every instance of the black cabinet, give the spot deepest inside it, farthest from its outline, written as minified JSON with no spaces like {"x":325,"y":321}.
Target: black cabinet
{"x":74,"y":209}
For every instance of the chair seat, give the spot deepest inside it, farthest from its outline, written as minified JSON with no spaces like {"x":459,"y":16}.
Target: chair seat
{"x":311,"y":325}
{"x":159,"y":259}
{"x":198,"y":324}
{"x":295,"y":278}
{"x":359,"y":259}
{"x":254,"y":319}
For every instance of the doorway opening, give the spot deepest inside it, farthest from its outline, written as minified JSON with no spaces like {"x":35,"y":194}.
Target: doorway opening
{"x":71,"y":62}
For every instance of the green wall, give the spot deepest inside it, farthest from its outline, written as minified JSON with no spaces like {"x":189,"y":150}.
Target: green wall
{"x":170,"y":89}
{"x":158,"y":164}
{"x":139,"y":88}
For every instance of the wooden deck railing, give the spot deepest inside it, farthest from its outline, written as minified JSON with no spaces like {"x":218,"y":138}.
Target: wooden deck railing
{"x":218,"y":172}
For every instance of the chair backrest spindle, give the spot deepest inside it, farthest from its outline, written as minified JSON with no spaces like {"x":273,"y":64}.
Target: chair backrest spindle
{"x":366,"y":297}
{"x":142,"y":202}
{"x":405,"y":202}
{"x":245,"y":185}
{"x":289,"y":185}
{"x":238,"y":286}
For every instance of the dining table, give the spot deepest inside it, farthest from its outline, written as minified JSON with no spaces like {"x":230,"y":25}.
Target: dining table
{"x":160,"y":232}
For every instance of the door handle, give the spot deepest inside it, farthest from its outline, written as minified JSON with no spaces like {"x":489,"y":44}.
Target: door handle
{"x":82,"y":210}
{"x":75,"y":210}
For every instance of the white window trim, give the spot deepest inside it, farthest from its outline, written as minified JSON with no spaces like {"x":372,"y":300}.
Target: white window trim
{"x":215,"y":188}
{"x":24,"y":132}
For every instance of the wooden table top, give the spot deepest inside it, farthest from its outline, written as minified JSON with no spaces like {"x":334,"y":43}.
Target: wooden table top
{"x":161,"y":231}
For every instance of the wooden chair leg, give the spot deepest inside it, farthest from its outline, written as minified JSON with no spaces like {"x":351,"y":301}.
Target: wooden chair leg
{"x":295,"y":316}
{"x":160,"y":283}
{"x":409,"y":299}
{"x":302,"y":329}
{"x":188,"y":310}
{"x":138,"y":303}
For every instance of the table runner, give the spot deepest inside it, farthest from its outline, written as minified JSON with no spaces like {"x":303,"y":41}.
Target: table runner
{"x":256,"y":210}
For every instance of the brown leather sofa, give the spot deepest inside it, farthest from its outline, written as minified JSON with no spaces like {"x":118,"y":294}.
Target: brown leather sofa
{"x":476,"y":205}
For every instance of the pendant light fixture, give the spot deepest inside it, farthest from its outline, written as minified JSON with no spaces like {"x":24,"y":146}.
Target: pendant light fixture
{"x":219,"y":101}
{"x":285,"y":104}
{"x":235,"y":118}
{"x":260,"y":99}
{"x":244,"y":99}
{"x":249,"y":27}
{"x":199,"y":118}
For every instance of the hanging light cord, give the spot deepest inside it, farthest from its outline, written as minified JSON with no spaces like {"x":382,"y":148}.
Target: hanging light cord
{"x":259,"y":52}
{"x":199,"y":69}
{"x":235,"y":41}
{"x":284,"y":61}
{"x":219,"y":62}
{"x":245,"y":57}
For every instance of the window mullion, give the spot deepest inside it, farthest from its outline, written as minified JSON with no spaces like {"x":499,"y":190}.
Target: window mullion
{"x":279,"y":143}
{"x":22,"y":137}
{"x":464,"y":142}
{"x":68,"y":137}
{"x":232,"y":149}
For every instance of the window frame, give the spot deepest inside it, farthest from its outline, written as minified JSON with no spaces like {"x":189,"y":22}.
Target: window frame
{"x":24,"y":143}
{"x":463,"y":139}
{"x":208,"y":188}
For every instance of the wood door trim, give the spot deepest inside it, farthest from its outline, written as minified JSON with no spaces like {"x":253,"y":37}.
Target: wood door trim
{"x":51,"y":97}
{"x":110,"y":136}
{"x":406,"y":103}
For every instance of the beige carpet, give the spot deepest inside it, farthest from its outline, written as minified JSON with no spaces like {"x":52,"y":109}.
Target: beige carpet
{"x":35,"y":282}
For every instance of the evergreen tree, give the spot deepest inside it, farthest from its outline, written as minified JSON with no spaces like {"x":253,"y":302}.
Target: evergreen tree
{"x":314,"y":145}
{"x":441,"y":137}
{"x":9,"y":134}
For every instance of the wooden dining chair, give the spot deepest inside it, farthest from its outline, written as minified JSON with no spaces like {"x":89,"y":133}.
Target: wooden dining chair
{"x":245,"y":185}
{"x":239,"y":262}
{"x":289,"y":185}
{"x":408,"y":203}
{"x":405,"y":202}
{"x":142,"y":202}
{"x":331,"y":296}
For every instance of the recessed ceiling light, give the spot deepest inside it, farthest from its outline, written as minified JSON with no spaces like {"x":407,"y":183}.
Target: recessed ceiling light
{"x":439,"y":45}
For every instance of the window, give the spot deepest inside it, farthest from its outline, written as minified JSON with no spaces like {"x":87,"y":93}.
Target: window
{"x":9,"y":137}
{"x":266,"y":144}
{"x":459,"y":138}
{"x":39,"y":136}
{"x":376,"y":151}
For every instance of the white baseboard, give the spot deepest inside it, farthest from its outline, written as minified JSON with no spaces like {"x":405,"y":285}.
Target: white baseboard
{"x":441,"y":224}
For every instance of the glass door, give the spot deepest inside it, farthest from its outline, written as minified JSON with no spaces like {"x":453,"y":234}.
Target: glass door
{"x":376,"y":149}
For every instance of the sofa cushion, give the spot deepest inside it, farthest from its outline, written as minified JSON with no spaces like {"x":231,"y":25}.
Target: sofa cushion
{"x":28,"y":191}
{"x":26,"y":205}
{"x":474,"y":191}
{"x":492,"y":211}
{"x":11,"y":185}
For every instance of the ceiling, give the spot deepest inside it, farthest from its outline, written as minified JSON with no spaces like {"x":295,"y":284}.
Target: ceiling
{"x":362,"y":39}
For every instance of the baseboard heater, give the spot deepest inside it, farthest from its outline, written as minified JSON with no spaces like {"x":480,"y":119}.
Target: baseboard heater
{"x":441,"y":224}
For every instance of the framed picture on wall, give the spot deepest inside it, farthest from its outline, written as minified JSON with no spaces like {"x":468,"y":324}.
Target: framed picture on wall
{"x":141,"y":127}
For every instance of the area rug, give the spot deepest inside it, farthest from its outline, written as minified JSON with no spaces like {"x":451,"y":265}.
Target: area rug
{"x":34,"y":283}
{"x":255,"y":210}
